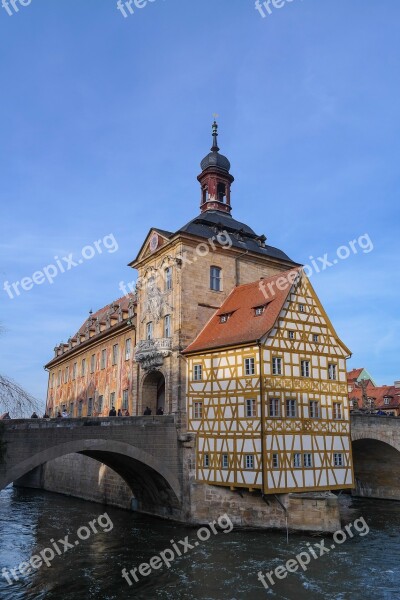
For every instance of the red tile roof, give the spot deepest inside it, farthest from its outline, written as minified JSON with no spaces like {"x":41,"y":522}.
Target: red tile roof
{"x":379,"y":394}
{"x":243,"y":326}
{"x":353,"y":375}
{"x":102,"y":312}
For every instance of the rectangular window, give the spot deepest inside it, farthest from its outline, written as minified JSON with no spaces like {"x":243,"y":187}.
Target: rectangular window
{"x":90,"y":407}
{"x":59,"y":378}
{"x":112,"y":399}
{"x":66,"y":375}
{"x":52,"y":380}
{"x":314,"y":409}
{"x":197,"y":373}
{"x":338,"y":459}
{"x":224,"y":318}
{"x":259,"y":310}
{"x":215,"y":279}
{"x":297,"y":460}
{"x":206,"y":460}
{"x":128,"y":349}
{"x":149,"y":331}
{"x":275,"y":461}
{"x":337,"y":411}
{"x":225,"y":461}
{"x":315,"y":337}
{"x":100,"y":405}
{"x":274,"y":407}
{"x":168,"y":278}
{"x":251,"y":407}
{"x":104,"y":358}
{"x":291,"y":335}
{"x":249,"y":366}
{"x":71,"y":409}
{"x":198,"y":410}
{"x":80,"y":405}
{"x":125,"y":400}
{"x":92,"y":363}
{"x":249,"y":461}
{"x":332,"y":371}
{"x":305,"y":368}
{"x":307,"y":460}
{"x":83,"y":367}
{"x":291,"y":408}
{"x":74,"y":370}
{"x":302,"y":308}
{"x":115,"y":354}
{"x":167,"y":326}
{"x":276,"y":366}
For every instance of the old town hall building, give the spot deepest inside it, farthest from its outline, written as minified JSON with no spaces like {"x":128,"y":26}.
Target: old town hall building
{"x":227,"y":333}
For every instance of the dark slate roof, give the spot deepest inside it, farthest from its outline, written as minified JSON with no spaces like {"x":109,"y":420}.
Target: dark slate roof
{"x":164,"y":232}
{"x":212,"y":222}
{"x":215,"y":159}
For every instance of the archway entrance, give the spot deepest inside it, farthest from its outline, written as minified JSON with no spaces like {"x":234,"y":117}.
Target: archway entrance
{"x":375,"y":468}
{"x":153,"y":392}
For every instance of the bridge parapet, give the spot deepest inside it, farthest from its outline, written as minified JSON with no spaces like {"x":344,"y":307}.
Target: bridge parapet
{"x":143,"y":421}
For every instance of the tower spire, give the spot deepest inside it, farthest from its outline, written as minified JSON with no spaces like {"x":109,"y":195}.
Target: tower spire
{"x":214,"y":147}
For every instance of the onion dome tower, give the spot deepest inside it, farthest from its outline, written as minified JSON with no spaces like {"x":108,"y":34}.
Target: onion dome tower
{"x":215,"y":179}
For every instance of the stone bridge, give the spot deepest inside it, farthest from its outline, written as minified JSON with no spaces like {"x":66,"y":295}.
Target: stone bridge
{"x":144,"y":451}
{"x":376,"y":455}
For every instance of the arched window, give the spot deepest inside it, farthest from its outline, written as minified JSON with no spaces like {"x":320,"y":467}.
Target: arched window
{"x":221,"y":192}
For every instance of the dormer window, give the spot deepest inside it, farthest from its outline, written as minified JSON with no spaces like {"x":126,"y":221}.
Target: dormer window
{"x":224,"y":318}
{"x":386,"y":400}
{"x":259,"y":310}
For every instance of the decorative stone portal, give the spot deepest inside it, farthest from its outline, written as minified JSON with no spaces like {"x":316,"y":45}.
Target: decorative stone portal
{"x":153,"y":392}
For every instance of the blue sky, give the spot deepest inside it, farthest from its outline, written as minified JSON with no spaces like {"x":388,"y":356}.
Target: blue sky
{"x":105,"y":119}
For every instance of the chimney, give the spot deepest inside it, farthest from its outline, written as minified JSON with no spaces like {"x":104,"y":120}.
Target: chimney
{"x":397,"y":385}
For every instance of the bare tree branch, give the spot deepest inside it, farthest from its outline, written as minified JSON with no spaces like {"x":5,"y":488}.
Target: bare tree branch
{"x":14,"y":399}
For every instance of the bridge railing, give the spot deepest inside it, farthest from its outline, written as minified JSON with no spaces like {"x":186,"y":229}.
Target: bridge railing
{"x":142,"y":421}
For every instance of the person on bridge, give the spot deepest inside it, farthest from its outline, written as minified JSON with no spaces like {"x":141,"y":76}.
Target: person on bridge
{"x":147,"y":411}
{"x":119,"y":413}
{"x":113,"y":412}
{"x":160,"y":410}
{"x":34,"y":416}
{"x":64,"y":414}
{"x":127,"y":413}
{"x":5,"y":416}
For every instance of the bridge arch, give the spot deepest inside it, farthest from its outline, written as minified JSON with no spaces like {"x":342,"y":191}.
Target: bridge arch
{"x":156,"y":489}
{"x":376,"y":459}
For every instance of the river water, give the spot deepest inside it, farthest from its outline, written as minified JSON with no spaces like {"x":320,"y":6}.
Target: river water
{"x":224,"y":567}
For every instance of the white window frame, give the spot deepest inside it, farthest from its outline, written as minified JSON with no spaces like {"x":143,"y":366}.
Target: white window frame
{"x":125,"y":399}
{"x":249,"y":462}
{"x":167,"y":326}
{"x":290,"y":404}
{"x":251,"y":408}
{"x":332,"y":372}
{"x":103,"y":359}
{"x":312,"y":404}
{"x":308,"y":460}
{"x":305,"y":366}
{"x":215,"y":278}
{"x":291,"y":334}
{"x":93,"y":363}
{"x":197,"y":372}
{"x":168,"y":279}
{"x":275,"y":461}
{"x":149,"y":330}
{"x":276,"y":365}
{"x":197,"y":410}
{"x":206,"y":461}
{"x":297,"y":462}
{"x":225,"y":461}
{"x":337,"y":415}
{"x":338,"y":459}
{"x":274,"y":408}
{"x":249,"y":366}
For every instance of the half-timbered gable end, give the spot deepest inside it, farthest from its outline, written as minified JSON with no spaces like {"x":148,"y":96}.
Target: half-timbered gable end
{"x":267,"y":393}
